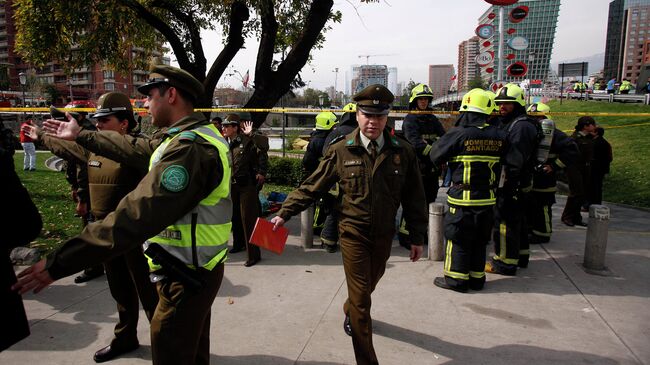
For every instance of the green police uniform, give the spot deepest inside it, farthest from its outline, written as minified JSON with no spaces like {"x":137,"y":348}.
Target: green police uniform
{"x":371,"y":192}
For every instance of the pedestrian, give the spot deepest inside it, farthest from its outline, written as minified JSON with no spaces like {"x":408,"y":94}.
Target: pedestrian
{"x":108,"y":183}
{"x":422,"y":129}
{"x":243,"y":191}
{"x":524,"y":133}
{"x":611,"y":85}
{"x":625,"y":87}
{"x":473,"y":150}
{"x":603,"y":157}
{"x":29,"y":159}
{"x":563,"y":152}
{"x":181,"y":208}
{"x":376,"y":172}
{"x":217,"y":123}
{"x":579,"y":175}
{"x":20,"y":222}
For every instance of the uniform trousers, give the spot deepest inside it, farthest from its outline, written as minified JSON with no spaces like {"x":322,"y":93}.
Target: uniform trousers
{"x":577,"y":195}
{"x":540,"y":213}
{"x":510,"y":235}
{"x":128,"y":279}
{"x":180,"y":328}
{"x":364,"y":263}
{"x":245,"y":210}
{"x":467,"y":233}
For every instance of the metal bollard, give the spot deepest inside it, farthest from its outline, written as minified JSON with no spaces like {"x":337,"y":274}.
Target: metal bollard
{"x":307,"y":227}
{"x":596,"y":241}
{"x":646,"y":99}
{"x":436,"y":247}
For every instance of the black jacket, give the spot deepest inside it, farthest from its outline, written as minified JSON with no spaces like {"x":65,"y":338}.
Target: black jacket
{"x":314,"y":151}
{"x":422,"y":130}
{"x":524,"y":134}
{"x":347,"y":124}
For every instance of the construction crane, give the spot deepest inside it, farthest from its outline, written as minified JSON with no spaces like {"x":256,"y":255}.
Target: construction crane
{"x":367,"y":56}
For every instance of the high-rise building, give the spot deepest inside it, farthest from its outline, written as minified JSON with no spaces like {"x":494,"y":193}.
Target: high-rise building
{"x":468,"y":69}
{"x":539,"y":30}
{"x":392,"y":81}
{"x":366,"y":75}
{"x":628,"y":30}
{"x":440,"y":79}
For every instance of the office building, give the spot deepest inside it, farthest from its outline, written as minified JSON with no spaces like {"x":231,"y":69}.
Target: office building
{"x":539,"y":30}
{"x":628,"y":30}
{"x":392,"y":81}
{"x":440,"y":79}
{"x":366,"y":75}
{"x":468,"y":69}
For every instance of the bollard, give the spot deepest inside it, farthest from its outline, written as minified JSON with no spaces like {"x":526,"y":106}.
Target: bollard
{"x":611,"y":98}
{"x":436,"y":229}
{"x":596,"y":241}
{"x":307,"y":227}
{"x":646,"y":99}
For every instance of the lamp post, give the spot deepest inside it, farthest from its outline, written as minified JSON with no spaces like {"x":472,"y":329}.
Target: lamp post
{"x":321,"y":99}
{"x":531,"y":58}
{"x":69,"y":82}
{"x":22,"y":78}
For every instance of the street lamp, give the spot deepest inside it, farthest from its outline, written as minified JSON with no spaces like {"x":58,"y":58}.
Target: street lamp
{"x":531,"y":58}
{"x":321,"y":99}
{"x":22,"y":78}
{"x":69,"y":82}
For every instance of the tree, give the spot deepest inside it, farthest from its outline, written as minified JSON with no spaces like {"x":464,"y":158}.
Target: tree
{"x":477,"y":83}
{"x":82,"y":32}
{"x":313,"y":96}
{"x":406,"y":93}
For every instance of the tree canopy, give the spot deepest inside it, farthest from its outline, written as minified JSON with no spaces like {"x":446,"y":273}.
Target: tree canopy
{"x":82,"y":32}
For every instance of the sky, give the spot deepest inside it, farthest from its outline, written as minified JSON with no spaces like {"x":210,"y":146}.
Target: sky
{"x":415,"y":34}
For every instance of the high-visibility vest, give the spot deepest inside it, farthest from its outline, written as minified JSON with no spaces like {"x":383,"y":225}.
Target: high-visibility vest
{"x":200,"y":237}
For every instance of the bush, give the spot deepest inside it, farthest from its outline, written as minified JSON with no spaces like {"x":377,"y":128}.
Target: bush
{"x":285,"y":171}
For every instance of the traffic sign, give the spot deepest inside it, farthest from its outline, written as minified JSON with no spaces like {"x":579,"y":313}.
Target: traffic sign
{"x":485,"y":58}
{"x":485,"y":31}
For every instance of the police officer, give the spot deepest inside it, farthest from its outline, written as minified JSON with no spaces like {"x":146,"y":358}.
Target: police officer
{"x":473,"y":149}
{"x":579,"y":175}
{"x":261,"y":143}
{"x":109,"y":182}
{"x":510,"y":234}
{"x":182,"y":208}
{"x":422,"y":130}
{"x":244,"y":192}
{"x":563,"y":152}
{"x":376,"y":172}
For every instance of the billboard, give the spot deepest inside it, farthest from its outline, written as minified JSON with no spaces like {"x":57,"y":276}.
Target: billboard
{"x":573,"y":69}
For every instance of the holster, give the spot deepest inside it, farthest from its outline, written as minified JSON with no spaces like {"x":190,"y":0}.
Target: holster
{"x":173,"y":267}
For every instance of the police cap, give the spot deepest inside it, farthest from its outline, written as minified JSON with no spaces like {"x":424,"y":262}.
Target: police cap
{"x":113,"y":103}
{"x":231,"y":119}
{"x":172,"y":76}
{"x":244,"y":116}
{"x":374,"y":99}
{"x":59,"y":114}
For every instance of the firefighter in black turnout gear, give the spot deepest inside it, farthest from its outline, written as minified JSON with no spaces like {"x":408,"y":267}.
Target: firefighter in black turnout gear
{"x":563,"y":152}
{"x":524,"y":133}
{"x":422,"y":131}
{"x":473,"y":149}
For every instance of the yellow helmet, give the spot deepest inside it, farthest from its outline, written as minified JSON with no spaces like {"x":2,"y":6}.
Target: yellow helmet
{"x":510,"y":93}
{"x":420,"y":91}
{"x":495,"y":107}
{"x":325,"y":121}
{"x":539,"y":108}
{"x":350,"y":108}
{"x":477,"y":101}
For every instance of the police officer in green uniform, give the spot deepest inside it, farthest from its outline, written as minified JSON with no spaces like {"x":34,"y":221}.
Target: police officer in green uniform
{"x":109,"y":182}
{"x":474,"y":150}
{"x":376,"y":172}
{"x":181,"y":208}
{"x":244,"y":188}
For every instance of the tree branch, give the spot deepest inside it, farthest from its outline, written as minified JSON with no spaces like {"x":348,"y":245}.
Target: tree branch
{"x":267,"y":42}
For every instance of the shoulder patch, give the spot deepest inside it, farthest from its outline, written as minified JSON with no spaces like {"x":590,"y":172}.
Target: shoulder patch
{"x":175,"y":178}
{"x":172,"y":131}
{"x":394,"y":141}
{"x":187,"y":136}
{"x":349,"y":142}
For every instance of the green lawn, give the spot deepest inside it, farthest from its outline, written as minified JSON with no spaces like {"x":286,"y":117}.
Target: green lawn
{"x":629,"y":180}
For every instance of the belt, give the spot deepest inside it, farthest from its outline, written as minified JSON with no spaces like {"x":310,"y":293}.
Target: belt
{"x":472,"y":187}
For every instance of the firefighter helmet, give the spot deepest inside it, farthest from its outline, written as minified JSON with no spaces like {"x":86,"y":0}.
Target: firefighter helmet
{"x":478,"y":101}
{"x":325,"y":121}
{"x":421,"y":91}
{"x":350,"y":108}
{"x":539,"y":108}
{"x":510,"y":93}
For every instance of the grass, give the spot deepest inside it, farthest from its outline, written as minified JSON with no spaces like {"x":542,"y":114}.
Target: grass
{"x":629,"y":180}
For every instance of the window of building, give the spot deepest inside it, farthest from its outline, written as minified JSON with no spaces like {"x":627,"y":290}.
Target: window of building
{"x":109,"y":86}
{"x":109,"y":74}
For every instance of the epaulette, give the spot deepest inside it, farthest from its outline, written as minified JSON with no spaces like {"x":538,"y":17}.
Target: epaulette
{"x":187,"y":136}
{"x":172,"y":131}
{"x":336,"y":139}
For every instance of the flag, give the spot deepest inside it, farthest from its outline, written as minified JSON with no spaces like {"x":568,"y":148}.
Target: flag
{"x":453,"y":78}
{"x":245,"y":79}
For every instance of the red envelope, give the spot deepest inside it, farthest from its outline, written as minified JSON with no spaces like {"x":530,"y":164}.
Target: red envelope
{"x":264,"y":237}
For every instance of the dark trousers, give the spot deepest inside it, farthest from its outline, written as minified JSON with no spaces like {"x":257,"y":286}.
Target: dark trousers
{"x":431,"y":187}
{"x":13,"y":322}
{"x":510,"y":236}
{"x":577,"y":196}
{"x":467,"y":233}
{"x":329,"y":234}
{"x":128,"y":280}
{"x":596,"y":188}
{"x":245,"y":210}
{"x":540,"y":213}
{"x":180,"y":327}
{"x":364,"y":262}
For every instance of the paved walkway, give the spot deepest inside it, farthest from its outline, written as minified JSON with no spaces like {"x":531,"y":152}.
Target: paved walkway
{"x":288,"y":310}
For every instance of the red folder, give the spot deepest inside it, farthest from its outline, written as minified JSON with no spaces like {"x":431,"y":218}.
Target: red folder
{"x":264,"y":236}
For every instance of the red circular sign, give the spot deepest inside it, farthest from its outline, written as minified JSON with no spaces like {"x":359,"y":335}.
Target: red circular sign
{"x":501,"y":2}
{"x":489,"y":70}
{"x":517,"y":69}
{"x":511,"y":30}
{"x":492,"y":16}
{"x":486,"y":44}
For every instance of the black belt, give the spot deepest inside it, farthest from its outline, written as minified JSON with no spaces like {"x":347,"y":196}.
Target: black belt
{"x":472,"y":187}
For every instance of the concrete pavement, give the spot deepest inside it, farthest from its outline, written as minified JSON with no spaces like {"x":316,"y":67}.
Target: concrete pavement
{"x":288,"y":310}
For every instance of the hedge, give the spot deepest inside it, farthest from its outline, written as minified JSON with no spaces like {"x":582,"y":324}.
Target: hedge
{"x":285,"y":171}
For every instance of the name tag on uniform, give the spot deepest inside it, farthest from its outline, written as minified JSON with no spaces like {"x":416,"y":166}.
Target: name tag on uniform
{"x":169,"y":234}
{"x":352,"y":163}
{"x":93,"y":163}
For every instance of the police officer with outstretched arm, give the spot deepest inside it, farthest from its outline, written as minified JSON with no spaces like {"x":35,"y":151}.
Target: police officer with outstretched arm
{"x":376,"y":172}
{"x":181,"y":208}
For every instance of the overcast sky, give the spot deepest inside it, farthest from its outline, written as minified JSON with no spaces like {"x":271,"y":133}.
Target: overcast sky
{"x":417,"y":33}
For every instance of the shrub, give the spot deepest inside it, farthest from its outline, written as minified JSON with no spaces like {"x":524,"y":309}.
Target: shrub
{"x":285,"y":171}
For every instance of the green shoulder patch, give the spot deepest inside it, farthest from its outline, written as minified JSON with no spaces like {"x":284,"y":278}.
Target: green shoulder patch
{"x":175,"y":178}
{"x":172,"y":131}
{"x":394,"y":141}
{"x":187,"y":136}
{"x":349,"y":142}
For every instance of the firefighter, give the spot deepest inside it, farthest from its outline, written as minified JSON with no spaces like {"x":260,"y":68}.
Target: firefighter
{"x":473,"y":149}
{"x":563,"y":152}
{"x":422,"y":130}
{"x":510,"y":236}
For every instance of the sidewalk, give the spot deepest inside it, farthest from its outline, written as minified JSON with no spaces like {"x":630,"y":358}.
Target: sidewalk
{"x":288,"y":310}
